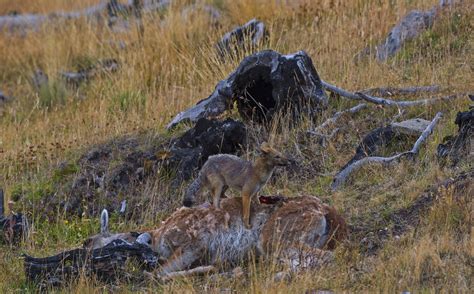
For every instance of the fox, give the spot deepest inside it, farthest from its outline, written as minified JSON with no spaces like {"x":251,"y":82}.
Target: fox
{"x":224,"y":171}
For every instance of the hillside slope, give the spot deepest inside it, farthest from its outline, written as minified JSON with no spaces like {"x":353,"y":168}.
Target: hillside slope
{"x":410,"y":231}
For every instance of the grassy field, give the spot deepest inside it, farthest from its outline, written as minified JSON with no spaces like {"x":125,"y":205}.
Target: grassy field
{"x":174,"y":65}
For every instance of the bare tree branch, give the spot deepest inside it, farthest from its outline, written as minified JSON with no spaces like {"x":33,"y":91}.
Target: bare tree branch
{"x":338,"y":114}
{"x":389,"y":102}
{"x":342,"y":176}
{"x":383,"y":101}
{"x":340,"y":91}
{"x":391,"y":91}
{"x":332,"y":120}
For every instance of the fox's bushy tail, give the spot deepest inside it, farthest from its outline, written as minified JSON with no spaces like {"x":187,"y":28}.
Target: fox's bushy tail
{"x":193,"y":189}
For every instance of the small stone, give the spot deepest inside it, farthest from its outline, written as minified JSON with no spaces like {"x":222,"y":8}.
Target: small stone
{"x":411,"y":127}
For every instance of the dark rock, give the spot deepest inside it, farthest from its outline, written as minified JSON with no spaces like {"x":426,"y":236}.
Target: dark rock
{"x":410,"y":27}
{"x":411,"y":127}
{"x":372,"y":144}
{"x":206,"y":138}
{"x":242,"y":39}
{"x":459,"y":148}
{"x":263,"y":84}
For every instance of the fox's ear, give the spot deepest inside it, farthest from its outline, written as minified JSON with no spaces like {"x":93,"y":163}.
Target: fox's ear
{"x":265,"y":147}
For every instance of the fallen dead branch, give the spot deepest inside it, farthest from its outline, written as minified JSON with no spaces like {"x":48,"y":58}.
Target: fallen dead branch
{"x":383,"y":101}
{"x":319,"y":130}
{"x":401,"y":104}
{"x":392,"y":91}
{"x":342,"y":176}
{"x":337,"y":115}
{"x":340,"y":91}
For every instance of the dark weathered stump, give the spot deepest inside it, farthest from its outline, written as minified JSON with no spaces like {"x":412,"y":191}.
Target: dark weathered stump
{"x":208,"y":137}
{"x":458,"y":148}
{"x":263,"y":84}
{"x":14,"y":227}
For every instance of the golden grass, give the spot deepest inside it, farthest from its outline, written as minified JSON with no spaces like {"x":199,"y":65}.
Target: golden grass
{"x":174,"y":65}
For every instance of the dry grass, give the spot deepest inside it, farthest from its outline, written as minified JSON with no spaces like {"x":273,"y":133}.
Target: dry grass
{"x":174,"y":65}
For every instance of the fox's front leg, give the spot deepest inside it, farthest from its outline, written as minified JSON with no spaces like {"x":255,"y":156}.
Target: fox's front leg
{"x":246,"y":197}
{"x":217,"y":186}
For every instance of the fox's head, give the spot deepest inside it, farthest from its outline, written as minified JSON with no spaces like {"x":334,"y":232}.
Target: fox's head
{"x":273,"y":156}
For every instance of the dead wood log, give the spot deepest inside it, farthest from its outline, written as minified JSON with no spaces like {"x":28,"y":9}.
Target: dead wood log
{"x":384,"y":101}
{"x":263,"y":84}
{"x":107,"y":263}
{"x":342,"y":176}
{"x":241,"y":38}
